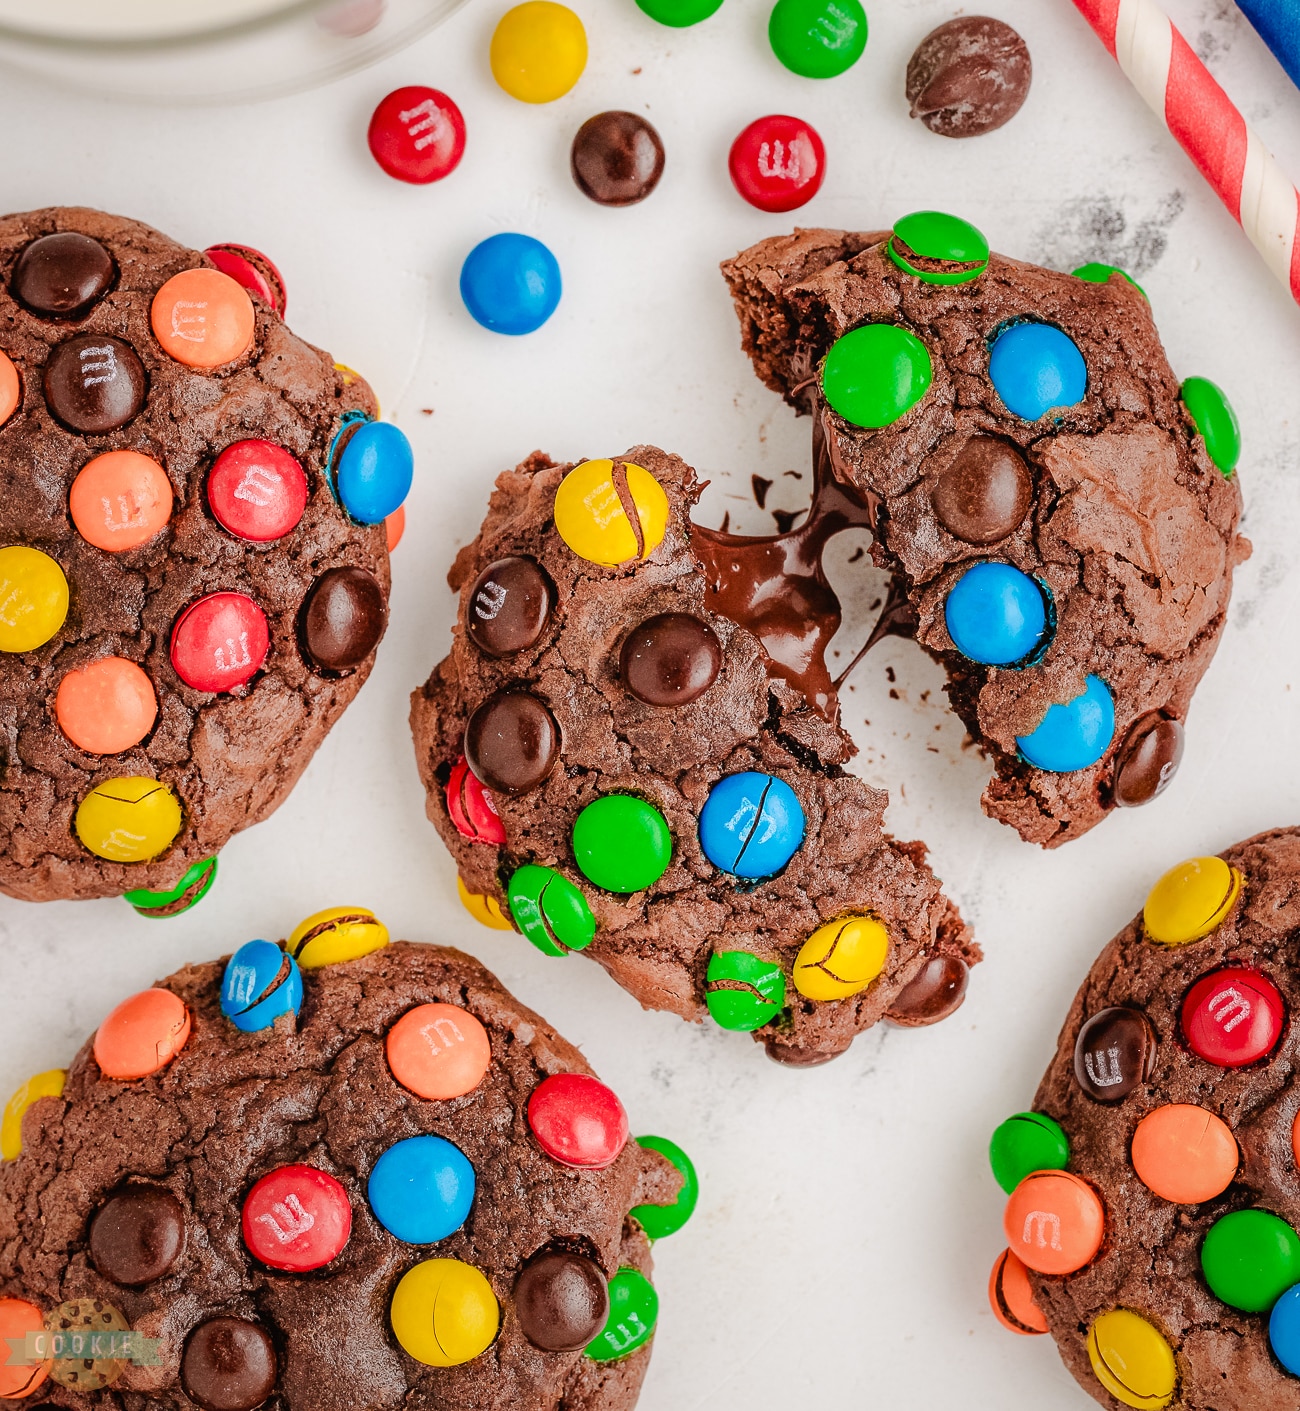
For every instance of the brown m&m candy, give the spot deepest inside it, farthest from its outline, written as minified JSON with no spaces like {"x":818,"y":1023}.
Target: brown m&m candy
{"x":935,"y":992}
{"x":228,"y":1365}
{"x":968,"y":77}
{"x":343,"y":617}
{"x":94,"y":383}
{"x":561,"y":1300}
{"x":1115,"y":1051}
{"x":61,"y":276}
{"x":617,"y":159}
{"x":137,"y":1235}
{"x":670,"y":659}
{"x":512,"y":742}
{"x":985,"y":493}
{"x":509,"y":606}
{"x":1148,"y":761}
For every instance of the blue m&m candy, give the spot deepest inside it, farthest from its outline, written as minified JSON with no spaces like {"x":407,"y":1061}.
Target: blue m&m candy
{"x":1035,"y":367}
{"x":421,"y":1189}
{"x":374,"y":473}
{"x":1075,"y":735}
{"x":510,"y":283}
{"x":996,"y":614}
{"x":260,"y":984}
{"x":751,"y":825}
{"x":1284,"y":1330}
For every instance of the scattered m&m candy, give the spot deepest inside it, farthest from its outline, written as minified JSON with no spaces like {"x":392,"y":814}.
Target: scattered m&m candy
{"x":373,"y":473}
{"x":1233,"y":1017}
{"x":1191,"y":901}
{"x":538,"y":52}
{"x":680,"y":13}
{"x":818,"y":38}
{"x":417,"y":134}
{"x":106,"y":707}
{"x":1036,"y":368}
{"x":609,"y":512}
{"x":996,"y":615}
{"x":616,"y":159}
{"x":334,"y":935}
{"x":253,"y":271}
{"x":220,"y":642}
{"x":1074,"y":735}
{"x":622,"y":843}
{"x":1054,"y":1222}
{"x":444,"y":1313}
{"x":120,"y":500}
{"x":743,"y":991}
{"x":841,"y":958}
{"x":577,"y":1120}
{"x":203,"y":319}
{"x":296,"y":1218}
{"x":751,"y":825}
{"x":33,"y":598}
{"x":876,"y":374}
{"x":511,"y":283}
{"x":438,"y":1051}
{"x":257,"y":490}
{"x":549,"y":910}
{"x":778,"y":163}
{"x":260,"y":984}
{"x":421,"y":1189}
{"x":132,"y":819}
{"x":142,"y":1035}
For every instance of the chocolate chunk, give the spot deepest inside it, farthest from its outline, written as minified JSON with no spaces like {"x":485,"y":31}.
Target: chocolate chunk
{"x":94,"y":383}
{"x":671,"y":659}
{"x":562,"y":1300}
{"x":1115,"y":1051}
{"x":343,"y":618}
{"x":969,"y":76}
{"x":509,"y":606}
{"x":228,"y":1365}
{"x":137,"y":1235}
{"x":512,"y":742}
{"x":933,"y":994}
{"x":1148,"y":761}
{"x":61,"y":276}
{"x":617,"y":159}
{"x":985,"y":493}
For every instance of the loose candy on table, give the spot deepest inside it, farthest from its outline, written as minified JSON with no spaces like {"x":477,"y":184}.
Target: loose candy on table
{"x":1209,"y":408}
{"x":985,"y":494}
{"x":577,"y":1120}
{"x":47,"y":1084}
{"x":93,"y":384}
{"x":591,"y":512}
{"x":751,"y":825}
{"x":1233,"y":1017}
{"x":1131,"y":1358}
{"x":132,"y":819}
{"x":841,"y":958}
{"x":62,"y":275}
{"x":743,"y":991}
{"x":142,"y":1035}
{"x":1148,"y":760}
{"x":137,"y":1235}
{"x":438,"y":1051}
{"x":421,"y":1189}
{"x":1184,"y":1154}
{"x":120,"y":500}
{"x":549,"y":910}
{"x":512,"y":741}
{"x":229,"y":1364}
{"x":968,"y":77}
{"x":778,"y":163}
{"x":18,"y":1319}
{"x":670,"y":659}
{"x":818,"y":38}
{"x":260,"y":984}
{"x":1012,"y":1297}
{"x":660,"y":1221}
{"x":1054,"y":1222}
{"x":561,"y":1300}
{"x":417,"y":134}
{"x":633,"y":1312}
{"x":342,"y":619}
{"x":617,"y":158}
{"x":1114,"y":1053}
{"x":253,"y":271}
{"x":444,"y":1313}
{"x":1250,"y":1258}
{"x":1036,"y":368}
{"x":33,"y":598}
{"x":680,"y":13}
{"x":203,"y":319}
{"x":158,"y":904}
{"x":220,"y":642}
{"x":996,"y":615}
{"x":1074,"y":735}
{"x":106,"y":707}
{"x":1190,"y":901}
{"x":373,"y":473}
{"x":622,"y":843}
{"x":1025,"y":1143}
{"x":538,"y":51}
{"x":334,"y":935}
{"x":257,"y":490}
{"x":509,"y":606}
{"x":511,"y":283}
{"x":485,"y":909}
{"x":470,"y":807}
{"x":296,"y":1218}
{"x":11,"y":388}
{"x":934,"y":993}
{"x":938,"y":248}
{"x":876,"y":374}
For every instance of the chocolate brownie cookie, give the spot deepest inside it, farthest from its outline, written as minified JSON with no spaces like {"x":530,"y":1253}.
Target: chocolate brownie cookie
{"x":1153,"y":1191}
{"x":330,"y":1174}
{"x":632,"y":751}
{"x":193,"y":571}
{"x":1059,"y":515}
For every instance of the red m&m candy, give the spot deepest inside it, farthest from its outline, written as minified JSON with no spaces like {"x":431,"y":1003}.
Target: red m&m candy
{"x":257,"y":490}
{"x":578,"y":1120}
{"x":251,"y":269}
{"x":220,"y":642}
{"x":297,"y":1218}
{"x":1233,"y":1017}
{"x":471,"y":807}
{"x":778,"y":163}
{"x":417,"y":135}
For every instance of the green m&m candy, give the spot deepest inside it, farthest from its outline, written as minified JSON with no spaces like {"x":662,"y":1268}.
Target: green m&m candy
{"x":633,"y":1312}
{"x":1250,"y":1258}
{"x":621,"y":843}
{"x":818,"y":38}
{"x":679,"y":13}
{"x":1027,"y":1142}
{"x":1097,"y":273}
{"x":938,"y":248}
{"x":550,"y":910}
{"x":193,"y":886}
{"x":1215,"y":420}
{"x":876,"y":374}
{"x":661,"y":1220}
{"x":744,"y":992}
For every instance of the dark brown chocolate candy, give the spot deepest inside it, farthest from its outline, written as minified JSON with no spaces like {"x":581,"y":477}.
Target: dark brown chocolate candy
{"x":561,"y":1300}
{"x":228,"y":1365}
{"x":969,"y":76}
{"x":512,"y":742}
{"x":1115,"y":1051}
{"x":935,"y":992}
{"x":789,"y":1057}
{"x":94,"y":383}
{"x":61,"y":276}
{"x":985,"y":493}
{"x":1148,"y":760}
{"x":670,"y":659}
{"x":343,"y":617}
{"x":509,"y":606}
{"x":617,"y":159}
{"x":137,"y":1235}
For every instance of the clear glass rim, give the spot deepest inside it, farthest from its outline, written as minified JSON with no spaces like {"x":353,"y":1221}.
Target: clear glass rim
{"x":147,"y":43}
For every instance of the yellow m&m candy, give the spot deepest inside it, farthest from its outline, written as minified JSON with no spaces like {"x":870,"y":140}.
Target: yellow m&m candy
{"x":1132,"y":1360}
{"x":48,"y":1084}
{"x":841,"y":958}
{"x":591,"y":517}
{"x":336,"y":934}
{"x":444,"y":1312}
{"x":1191,"y":900}
{"x":129,"y":820}
{"x":33,"y":598}
{"x":484,"y":909}
{"x":539,"y":51}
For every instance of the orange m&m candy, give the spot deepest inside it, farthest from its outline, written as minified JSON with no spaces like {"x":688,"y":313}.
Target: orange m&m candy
{"x":1184,"y":1154}
{"x":17,"y":1319}
{"x":1054,"y":1222}
{"x":11,"y":388}
{"x":395,"y":527}
{"x":142,"y":1035}
{"x":1011,"y":1297}
{"x":439,"y":1051}
{"x":107,"y":706}
{"x":120,"y":500}
{"x":203,"y":318}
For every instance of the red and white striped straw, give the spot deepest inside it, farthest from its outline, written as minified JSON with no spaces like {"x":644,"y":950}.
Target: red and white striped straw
{"x":1161,"y":65}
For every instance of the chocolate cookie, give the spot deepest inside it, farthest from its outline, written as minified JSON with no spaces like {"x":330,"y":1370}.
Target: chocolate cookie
{"x":1153,"y":1197}
{"x":193,"y":571}
{"x":1060,"y":517}
{"x":329,"y":1174}
{"x":632,"y":750}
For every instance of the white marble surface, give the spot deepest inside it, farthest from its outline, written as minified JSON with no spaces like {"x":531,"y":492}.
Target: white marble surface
{"x":848,"y":1219}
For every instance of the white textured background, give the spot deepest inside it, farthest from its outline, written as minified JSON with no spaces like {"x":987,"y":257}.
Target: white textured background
{"x":848,"y":1219}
